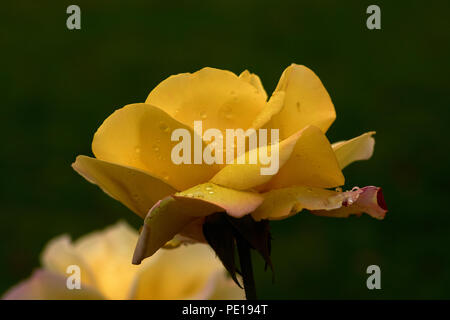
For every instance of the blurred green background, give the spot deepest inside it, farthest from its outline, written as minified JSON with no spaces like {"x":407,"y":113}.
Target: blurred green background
{"x":59,"y":85}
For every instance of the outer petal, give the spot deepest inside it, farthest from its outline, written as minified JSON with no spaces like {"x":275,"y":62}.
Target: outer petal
{"x":160,"y":277}
{"x":191,"y":233}
{"x":60,"y":253}
{"x":255,"y":81}
{"x":47,"y":285}
{"x":108,"y":253}
{"x":305,"y":158}
{"x":359,"y":148}
{"x":370,"y":201}
{"x":246,"y":176}
{"x":219,"y":98}
{"x":139,"y":136}
{"x":273,"y":106}
{"x":136,"y":189}
{"x":312,"y":163}
{"x":236,"y":203}
{"x":171,"y":215}
{"x":306,"y":102}
{"x":226,"y":289}
{"x":282,"y":203}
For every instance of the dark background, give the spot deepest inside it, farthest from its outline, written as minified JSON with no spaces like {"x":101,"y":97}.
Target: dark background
{"x":57,"y":86}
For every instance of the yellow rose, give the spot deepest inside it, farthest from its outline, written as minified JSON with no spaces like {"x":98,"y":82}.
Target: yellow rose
{"x":133,"y":147}
{"x":103,"y":258}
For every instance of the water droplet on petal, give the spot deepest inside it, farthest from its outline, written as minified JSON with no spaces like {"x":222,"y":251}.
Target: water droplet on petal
{"x":197,"y":194}
{"x":226,"y":112}
{"x":164,"y":127}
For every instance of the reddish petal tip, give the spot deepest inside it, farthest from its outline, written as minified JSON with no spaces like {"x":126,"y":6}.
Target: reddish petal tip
{"x":380,"y":200}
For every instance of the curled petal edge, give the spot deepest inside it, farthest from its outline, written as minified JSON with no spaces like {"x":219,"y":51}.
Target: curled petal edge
{"x":282,"y":203}
{"x":369,"y":200}
{"x":171,"y":215}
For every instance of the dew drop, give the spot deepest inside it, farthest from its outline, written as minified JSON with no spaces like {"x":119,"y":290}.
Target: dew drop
{"x":164,"y":127}
{"x":226,"y":112}
{"x":198,"y":195}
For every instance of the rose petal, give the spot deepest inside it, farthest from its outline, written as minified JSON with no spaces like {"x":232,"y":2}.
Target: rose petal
{"x":311,"y":163}
{"x":171,"y":215}
{"x":139,"y":136}
{"x":273,"y":106}
{"x":305,"y":158}
{"x":255,"y":81}
{"x":220,"y":287}
{"x":282,"y":203}
{"x":219,"y":98}
{"x":60,"y":253}
{"x":159,"y":277}
{"x":47,"y":285}
{"x":359,"y":148}
{"x":306,"y":102}
{"x":108,"y":254}
{"x":226,"y":289}
{"x":235,"y":203}
{"x":136,"y":189}
{"x":247,"y":175}
{"x":370,"y":201}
